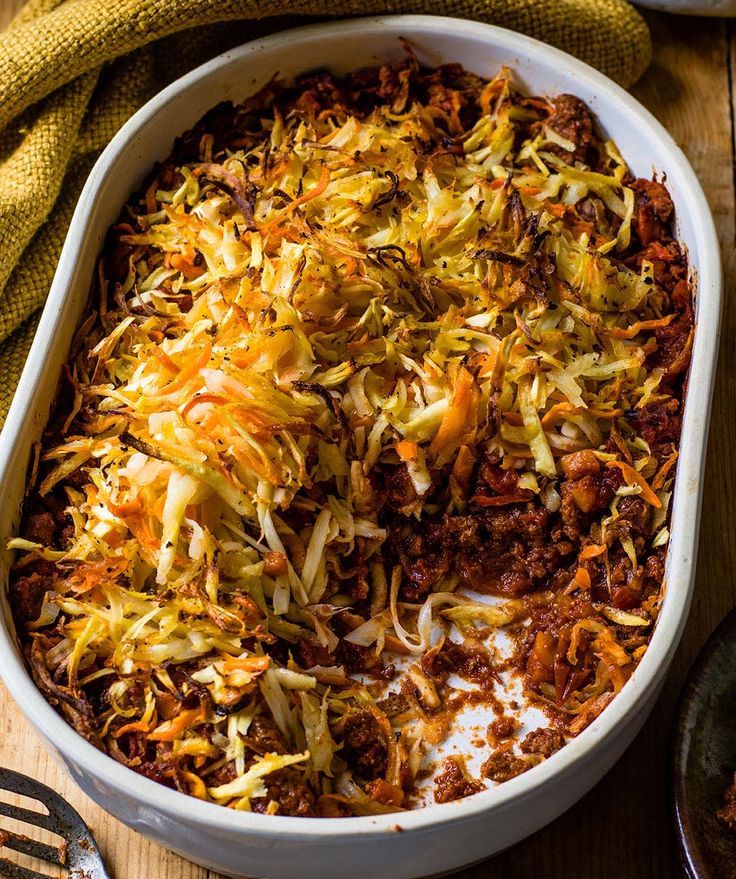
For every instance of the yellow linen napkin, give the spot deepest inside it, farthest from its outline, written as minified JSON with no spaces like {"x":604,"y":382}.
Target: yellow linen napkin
{"x":73,"y":71}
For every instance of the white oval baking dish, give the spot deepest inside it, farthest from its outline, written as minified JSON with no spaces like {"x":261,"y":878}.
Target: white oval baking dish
{"x":440,"y":837}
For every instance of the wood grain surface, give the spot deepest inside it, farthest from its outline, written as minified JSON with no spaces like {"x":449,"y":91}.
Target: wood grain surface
{"x":623,"y":828}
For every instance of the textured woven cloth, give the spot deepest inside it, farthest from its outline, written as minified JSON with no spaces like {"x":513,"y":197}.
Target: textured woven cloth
{"x":72,"y":72}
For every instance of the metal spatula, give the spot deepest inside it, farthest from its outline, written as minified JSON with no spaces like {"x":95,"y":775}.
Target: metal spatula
{"x":78,"y":854}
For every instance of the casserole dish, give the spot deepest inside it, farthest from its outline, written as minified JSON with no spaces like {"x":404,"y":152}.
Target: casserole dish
{"x":441,"y":837}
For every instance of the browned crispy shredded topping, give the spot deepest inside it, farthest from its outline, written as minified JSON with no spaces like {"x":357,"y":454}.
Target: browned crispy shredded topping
{"x":377,"y":369}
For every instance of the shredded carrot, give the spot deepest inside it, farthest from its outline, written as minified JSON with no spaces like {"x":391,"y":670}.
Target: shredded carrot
{"x":89,"y":575}
{"x":621,"y":444}
{"x":188,"y":372}
{"x":246,"y":358}
{"x":138,"y":726}
{"x":382,"y":792}
{"x":559,"y":410}
{"x":540,"y":103}
{"x":133,"y":514}
{"x":180,"y":262}
{"x":661,"y":474}
{"x":172,"y":729}
{"x":556,"y":412}
{"x":459,"y":421}
{"x":280,"y":168}
{"x":499,"y":500}
{"x":197,"y":788}
{"x":486,"y":363}
{"x":407,"y":450}
{"x":633,"y":477}
{"x":239,"y":314}
{"x":581,"y":227}
{"x":253,"y":664}
{"x":490,"y":91}
{"x":201,"y":398}
{"x":555,"y":208}
{"x":314,"y":192}
{"x":164,"y":359}
{"x":151,"y":205}
{"x":592,"y":551}
{"x":462,"y":469}
{"x":641,"y":325}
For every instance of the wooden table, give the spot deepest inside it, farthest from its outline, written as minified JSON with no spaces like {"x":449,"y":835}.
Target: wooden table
{"x":623,"y":828}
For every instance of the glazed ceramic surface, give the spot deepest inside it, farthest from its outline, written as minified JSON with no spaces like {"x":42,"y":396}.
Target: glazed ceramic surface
{"x":441,"y":837}
{"x":705,"y":757}
{"x":714,"y":8}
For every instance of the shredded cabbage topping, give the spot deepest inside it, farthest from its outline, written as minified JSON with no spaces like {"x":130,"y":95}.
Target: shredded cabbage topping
{"x":353,"y":339}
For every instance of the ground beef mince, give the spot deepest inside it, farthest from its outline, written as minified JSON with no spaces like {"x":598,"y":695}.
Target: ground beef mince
{"x":500,"y":550}
{"x":41,"y":527}
{"x":543,"y":741}
{"x":658,"y":422}
{"x":364,"y":745}
{"x":48,"y":522}
{"x":653,"y":210}
{"x":291,"y":793}
{"x":504,"y":764}
{"x":28,"y":589}
{"x":673,"y":345}
{"x":572,"y":120}
{"x":264,"y":736}
{"x":471,"y":661}
{"x":453,"y":782}
{"x":502,"y":728}
{"x":423,"y":553}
